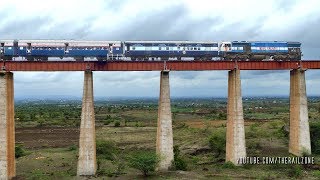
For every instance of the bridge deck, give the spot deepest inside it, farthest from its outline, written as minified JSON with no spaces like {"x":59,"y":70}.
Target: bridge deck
{"x":155,"y":65}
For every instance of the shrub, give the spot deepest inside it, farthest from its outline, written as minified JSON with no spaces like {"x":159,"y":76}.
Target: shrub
{"x":146,"y":162}
{"x":217,"y":142}
{"x":19,"y":151}
{"x":107,"y":122}
{"x":117,"y":124}
{"x":73,"y":147}
{"x":314,"y":137}
{"x":228,"y":165}
{"x":295,"y":171}
{"x":178,"y":162}
{"x":106,"y":150}
{"x":316,"y":174}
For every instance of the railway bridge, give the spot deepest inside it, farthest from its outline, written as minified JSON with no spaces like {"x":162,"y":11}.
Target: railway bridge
{"x":299,"y":142}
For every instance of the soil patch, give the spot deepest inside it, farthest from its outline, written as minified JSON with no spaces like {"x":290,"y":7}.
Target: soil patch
{"x":44,"y":137}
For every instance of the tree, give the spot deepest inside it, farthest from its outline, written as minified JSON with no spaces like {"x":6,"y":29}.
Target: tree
{"x":146,"y":162}
{"x":217,"y":142}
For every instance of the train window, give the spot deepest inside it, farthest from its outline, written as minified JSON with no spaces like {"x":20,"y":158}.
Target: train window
{"x":178,"y":48}
{"x":167,"y":48}
{"x":133,"y":48}
{"x":159,"y":48}
{"x":198,"y":48}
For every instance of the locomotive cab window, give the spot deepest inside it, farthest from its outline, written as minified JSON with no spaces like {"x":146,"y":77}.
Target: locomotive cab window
{"x":226,"y":46}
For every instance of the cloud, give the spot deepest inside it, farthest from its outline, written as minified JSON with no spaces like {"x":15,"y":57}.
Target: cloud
{"x":297,"y":20}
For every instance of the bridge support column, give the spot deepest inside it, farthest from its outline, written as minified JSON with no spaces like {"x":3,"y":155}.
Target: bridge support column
{"x":87,"y":142}
{"x":235,"y":137}
{"x":7,"y":130}
{"x":164,"y":130}
{"x":299,"y":142}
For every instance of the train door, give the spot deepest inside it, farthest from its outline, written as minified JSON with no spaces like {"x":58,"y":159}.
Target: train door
{"x":111,"y":48}
{"x":66,"y":48}
{"x":127,"y":48}
{"x":28,"y":49}
{"x":1,"y":49}
{"x":148,"y":48}
{"x":111,"y":51}
{"x":15,"y":48}
{"x":247,"y":48}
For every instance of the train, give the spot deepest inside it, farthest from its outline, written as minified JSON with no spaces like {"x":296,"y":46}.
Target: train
{"x":42,"y":50}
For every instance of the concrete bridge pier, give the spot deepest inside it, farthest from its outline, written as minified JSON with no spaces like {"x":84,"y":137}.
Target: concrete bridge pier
{"x":87,"y":164}
{"x":235,"y":137}
{"x":164,"y":130}
{"x":299,"y":142}
{"x":7,"y":131}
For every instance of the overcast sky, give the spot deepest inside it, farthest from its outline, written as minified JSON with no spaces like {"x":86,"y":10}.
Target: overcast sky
{"x":288,"y":20}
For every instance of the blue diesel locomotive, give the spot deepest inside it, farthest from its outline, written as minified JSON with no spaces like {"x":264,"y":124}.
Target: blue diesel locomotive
{"x":150,"y":50}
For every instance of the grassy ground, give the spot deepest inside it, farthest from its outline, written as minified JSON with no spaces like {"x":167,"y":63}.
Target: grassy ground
{"x":262,"y":140}
{"x":50,"y":156}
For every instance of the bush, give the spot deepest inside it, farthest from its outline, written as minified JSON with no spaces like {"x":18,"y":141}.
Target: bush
{"x":72,"y":148}
{"x":178,"y":162}
{"x":106,"y":150}
{"x":117,"y":124}
{"x":217,"y":142}
{"x":19,"y":151}
{"x":314,"y":137}
{"x":146,"y":162}
{"x":228,"y":165}
{"x":316,"y":174}
{"x":107,"y":122}
{"x":295,"y":171}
